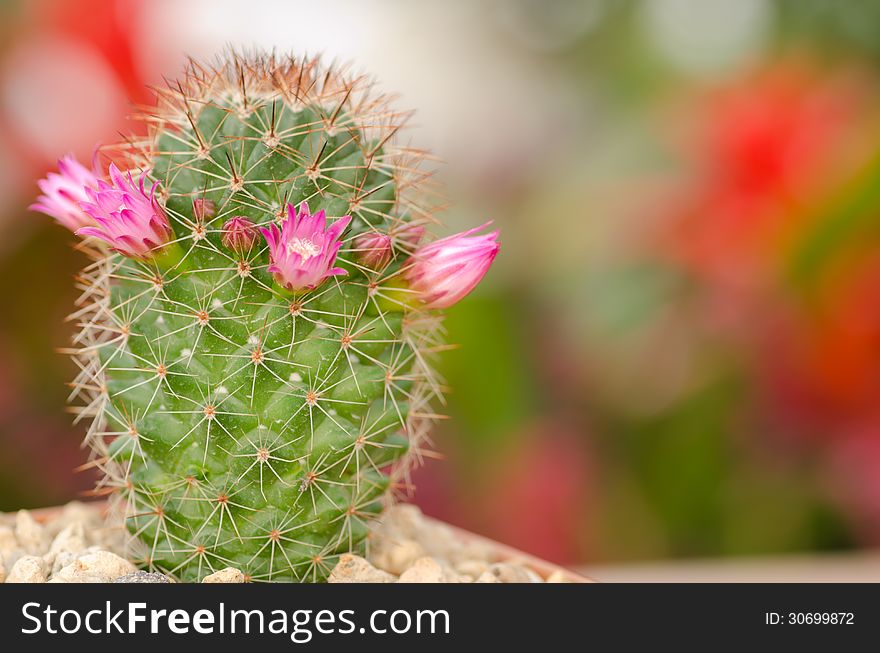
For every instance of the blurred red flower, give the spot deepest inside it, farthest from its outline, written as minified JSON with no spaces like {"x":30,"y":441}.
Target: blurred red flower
{"x":775,"y":231}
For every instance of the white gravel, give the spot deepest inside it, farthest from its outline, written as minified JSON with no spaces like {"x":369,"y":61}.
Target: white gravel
{"x":77,"y":546}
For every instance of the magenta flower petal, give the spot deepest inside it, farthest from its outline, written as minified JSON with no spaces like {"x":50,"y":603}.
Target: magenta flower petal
{"x":62,"y":192}
{"x":444,"y":271}
{"x":126,"y":216}
{"x":302,"y":252}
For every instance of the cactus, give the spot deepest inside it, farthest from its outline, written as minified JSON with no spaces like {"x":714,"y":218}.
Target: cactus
{"x":256,"y":329}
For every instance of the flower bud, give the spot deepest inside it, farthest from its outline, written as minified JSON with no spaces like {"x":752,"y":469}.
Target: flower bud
{"x":373,"y":249}
{"x":409,"y":235}
{"x":239,"y":234}
{"x":203,"y":209}
{"x":444,"y":271}
{"x":62,"y":192}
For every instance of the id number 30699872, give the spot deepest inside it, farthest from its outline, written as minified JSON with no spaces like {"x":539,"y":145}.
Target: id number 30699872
{"x":809,"y":618}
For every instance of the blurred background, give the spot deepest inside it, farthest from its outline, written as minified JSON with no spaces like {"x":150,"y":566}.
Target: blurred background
{"x":677,"y":354}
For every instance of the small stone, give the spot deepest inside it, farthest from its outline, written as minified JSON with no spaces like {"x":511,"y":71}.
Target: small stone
{"x":558,"y":576}
{"x":423,"y":570}
{"x":12,"y":556}
{"x":76,"y":512}
{"x":511,"y":573}
{"x":143,"y":577}
{"x":471,"y":550}
{"x":397,"y":557}
{"x":227,"y":575}
{"x":97,"y":567}
{"x":67,"y":545}
{"x":533,"y":576}
{"x":406,"y":519}
{"x":355,"y":569}
{"x":60,"y":560}
{"x":81,"y":577}
{"x":70,"y":538}
{"x":108,"y":563}
{"x":8,"y":543}
{"x":487,"y":577}
{"x":27,"y":569}
{"x":473,"y":568}
{"x":30,"y":535}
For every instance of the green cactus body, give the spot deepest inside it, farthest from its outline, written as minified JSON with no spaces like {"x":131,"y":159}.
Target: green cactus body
{"x":239,"y":424}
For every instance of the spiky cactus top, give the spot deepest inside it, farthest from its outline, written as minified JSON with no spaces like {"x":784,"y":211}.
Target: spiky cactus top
{"x":257,"y":321}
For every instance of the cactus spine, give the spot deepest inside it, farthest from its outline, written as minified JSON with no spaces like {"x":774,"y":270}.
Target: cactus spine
{"x":236,"y":422}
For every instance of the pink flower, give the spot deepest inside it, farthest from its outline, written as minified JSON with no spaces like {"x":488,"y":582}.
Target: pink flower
{"x":63,"y":191}
{"x":373,"y":249}
{"x":302,"y":252}
{"x":239,"y":234}
{"x":128,"y":218}
{"x":444,"y":271}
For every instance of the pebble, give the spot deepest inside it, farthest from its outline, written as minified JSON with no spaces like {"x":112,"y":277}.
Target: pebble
{"x":355,"y":569}
{"x":472,"y":568}
{"x":404,"y":518}
{"x":227,"y":575}
{"x":557,"y":577}
{"x":67,"y":545}
{"x":95,"y":567}
{"x":70,"y":538}
{"x":8,"y":543}
{"x":397,"y":557}
{"x":487,"y":577}
{"x":143,"y":577}
{"x":27,"y":569}
{"x":77,"y":512}
{"x":29,"y":534}
{"x":510,"y":573}
{"x":423,"y":570}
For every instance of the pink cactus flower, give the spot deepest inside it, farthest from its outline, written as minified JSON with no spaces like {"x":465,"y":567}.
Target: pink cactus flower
{"x":127,"y":217}
{"x":239,"y":234}
{"x":373,"y":249}
{"x":302,"y":252}
{"x":444,"y":271}
{"x":63,"y":191}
